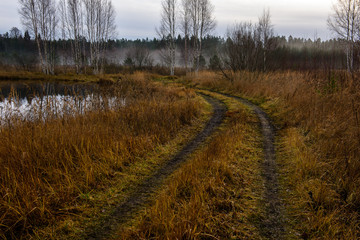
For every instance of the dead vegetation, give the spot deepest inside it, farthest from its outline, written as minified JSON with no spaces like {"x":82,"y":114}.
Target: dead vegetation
{"x":216,"y":194}
{"x":319,"y":117}
{"x":47,"y":166}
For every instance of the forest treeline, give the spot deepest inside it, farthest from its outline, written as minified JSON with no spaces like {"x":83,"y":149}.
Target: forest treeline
{"x":80,"y":36}
{"x":286,"y":53}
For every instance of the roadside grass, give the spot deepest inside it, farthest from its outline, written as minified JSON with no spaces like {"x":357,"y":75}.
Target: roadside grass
{"x":314,"y":205}
{"x":54,"y":170}
{"x":216,"y":194}
{"x":319,"y":144}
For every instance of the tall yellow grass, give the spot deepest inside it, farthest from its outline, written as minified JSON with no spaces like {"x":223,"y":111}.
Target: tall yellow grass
{"x":321,"y":142}
{"x":46,"y":165}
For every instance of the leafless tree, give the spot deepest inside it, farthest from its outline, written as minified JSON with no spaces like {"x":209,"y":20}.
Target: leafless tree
{"x":266,"y":33}
{"x":167,"y":31}
{"x":100,"y":26}
{"x":185,"y":28}
{"x":52,"y":24}
{"x":242,"y":47}
{"x":72,"y":24}
{"x":139,"y":55}
{"x":15,"y":33}
{"x":30,"y":19}
{"x":202,"y":23}
{"x":344,"y":22}
{"x":39,"y":16}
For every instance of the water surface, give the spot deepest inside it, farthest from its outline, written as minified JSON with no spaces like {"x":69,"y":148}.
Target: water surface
{"x":23,"y":101}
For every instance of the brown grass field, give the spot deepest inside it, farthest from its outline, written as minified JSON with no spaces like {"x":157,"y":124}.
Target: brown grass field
{"x":318,"y":144}
{"x":66,"y":171}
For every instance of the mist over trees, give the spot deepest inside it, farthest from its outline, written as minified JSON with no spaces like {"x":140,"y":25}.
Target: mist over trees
{"x":286,"y":53}
{"x":79,"y":36}
{"x":196,"y":21}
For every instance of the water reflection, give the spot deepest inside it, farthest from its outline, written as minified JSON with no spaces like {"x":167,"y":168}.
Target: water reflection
{"x":29,"y":89}
{"x":31,"y":102}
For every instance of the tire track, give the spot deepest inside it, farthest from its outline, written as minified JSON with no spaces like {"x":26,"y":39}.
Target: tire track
{"x":142,"y":195}
{"x":272,"y":224}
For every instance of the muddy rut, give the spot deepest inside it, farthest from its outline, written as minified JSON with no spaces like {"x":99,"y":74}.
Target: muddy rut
{"x":271,"y":225}
{"x":143,"y":194}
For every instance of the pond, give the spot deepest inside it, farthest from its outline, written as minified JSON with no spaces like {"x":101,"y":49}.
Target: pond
{"x":28,"y":89}
{"x":29,"y":101}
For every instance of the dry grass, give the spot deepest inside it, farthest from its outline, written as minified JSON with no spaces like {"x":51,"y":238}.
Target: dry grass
{"x":68,"y":77}
{"x":38,"y":76}
{"x":48,"y":165}
{"x":319,"y":115}
{"x":215,"y":195}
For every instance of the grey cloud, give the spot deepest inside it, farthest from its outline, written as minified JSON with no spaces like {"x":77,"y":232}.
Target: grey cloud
{"x":138,"y":18}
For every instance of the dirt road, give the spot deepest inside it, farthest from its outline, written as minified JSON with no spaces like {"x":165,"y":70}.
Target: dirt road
{"x":272,"y":224}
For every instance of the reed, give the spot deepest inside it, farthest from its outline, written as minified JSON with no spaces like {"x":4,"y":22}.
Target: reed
{"x":47,"y":164}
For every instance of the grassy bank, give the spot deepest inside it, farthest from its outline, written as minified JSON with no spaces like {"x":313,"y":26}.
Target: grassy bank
{"x":319,"y":144}
{"x":216,"y":194}
{"x":38,"y":76}
{"x":51,"y":167}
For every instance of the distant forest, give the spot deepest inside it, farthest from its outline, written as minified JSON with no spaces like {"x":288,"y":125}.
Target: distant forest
{"x":19,"y":51}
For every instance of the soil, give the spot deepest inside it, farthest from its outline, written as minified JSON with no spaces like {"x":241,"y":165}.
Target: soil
{"x":142,"y":196}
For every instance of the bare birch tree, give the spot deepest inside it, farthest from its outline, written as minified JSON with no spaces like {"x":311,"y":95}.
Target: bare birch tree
{"x":185,"y":28}
{"x":30,"y":19}
{"x":71,"y":12}
{"x":266,"y":32}
{"x":202,"y":22}
{"x":100,"y":26}
{"x":39,"y":16}
{"x":167,"y":31}
{"x":344,"y":22}
{"x":52,"y":24}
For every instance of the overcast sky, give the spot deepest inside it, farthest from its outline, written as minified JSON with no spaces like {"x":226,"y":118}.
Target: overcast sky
{"x":139,"y":18}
